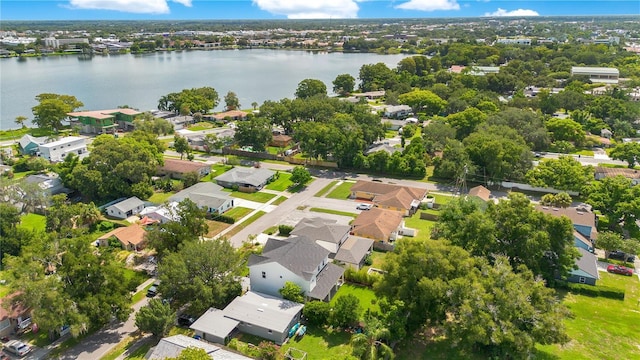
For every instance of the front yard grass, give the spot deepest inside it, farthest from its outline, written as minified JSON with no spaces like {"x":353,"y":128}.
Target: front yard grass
{"x":602,"y":328}
{"x":216,"y":170}
{"x":423,"y":226}
{"x":33,"y":222}
{"x":326,"y":189}
{"x":282,"y":183}
{"x":137,"y":297}
{"x":238,"y":212}
{"x":215,"y":228}
{"x":341,"y":191}
{"x":161,"y":197}
{"x":245,"y":223}
{"x":334,"y":212}
{"x":256,"y":196}
{"x":279,"y":200}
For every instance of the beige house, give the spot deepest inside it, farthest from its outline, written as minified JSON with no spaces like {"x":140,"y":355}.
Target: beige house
{"x":176,"y":168}
{"x":404,"y":199}
{"x":131,"y":237}
{"x":378,"y":224}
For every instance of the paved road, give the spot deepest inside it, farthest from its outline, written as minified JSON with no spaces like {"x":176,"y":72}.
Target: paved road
{"x":595,"y":160}
{"x":101,"y":342}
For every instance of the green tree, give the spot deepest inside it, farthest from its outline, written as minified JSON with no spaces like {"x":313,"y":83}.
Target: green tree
{"x":564,"y":173}
{"x":181,"y":145}
{"x":52,"y":109}
{"x":344,"y":84}
{"x":20,"y":120}
{"x":562,"y":200}
{"x":609,"y":241}
{"x":192,"y":353}
{"x":202,"y":274}
{"x":466,"y":122}
{"x":617,"y":198}
{"x":376,"y":77}
{"x":191,"y":178}
{"x":455,"y":162}
{"x":9,"y":218}
{"x":300,"y":175}
{"x":528,"y":124}
{"x":156,"y":318}
{"x":423,"y":101}
{"x":626,"y":151}
{"x":346,"y":310}
{"x":368,"y":345}
{"x":254,"y":105}
{"x":255,"y":132}
{"x":212,"y":142}
{"x":291,"y":291}
{"x":565,"y":130}
{"x":187,"y":101}
{"x":436,"y":135}
{"x":189,"y":227}
{"x":149,"y":124}
{"x":310,"y":87}
{"x":317,"y":312}
{"x":231,"y":101}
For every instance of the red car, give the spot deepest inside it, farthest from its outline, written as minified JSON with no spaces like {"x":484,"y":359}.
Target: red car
{"x":618,"y":269}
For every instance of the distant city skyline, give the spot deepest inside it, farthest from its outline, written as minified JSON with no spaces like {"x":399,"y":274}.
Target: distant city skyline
{"x":303,"y":9}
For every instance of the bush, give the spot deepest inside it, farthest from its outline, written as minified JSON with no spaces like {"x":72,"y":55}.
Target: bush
{"x":368,"y":260}
{"x":269,"y":350}
{"x":317,"y":312}
{"x":222,"y":218}
{"x":285,"y":230}
{"x":105,"y":226}
{"x":360,"y":277}
{"x":590,"y":290}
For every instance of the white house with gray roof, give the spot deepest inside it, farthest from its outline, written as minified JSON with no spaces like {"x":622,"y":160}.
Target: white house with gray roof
{"x":326,"y":232}
{"x":172,"y":346}
{"x":125,"y":208}
{"x":206,"y":195}
{"x":246,"y":179}
{"x":299,"y":260}
{"x":253,"y":313}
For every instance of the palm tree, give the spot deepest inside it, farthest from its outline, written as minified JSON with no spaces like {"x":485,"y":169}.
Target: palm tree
{"x":254,"y":105}
{"x":368,"y":345}
{"x":20,"y":121}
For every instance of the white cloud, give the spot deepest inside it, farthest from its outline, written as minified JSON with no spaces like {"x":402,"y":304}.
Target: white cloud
{"x":518,"y":12}
{"x":311,"y":9}
{"x":429,"y":5}
{"x":132,"y":6}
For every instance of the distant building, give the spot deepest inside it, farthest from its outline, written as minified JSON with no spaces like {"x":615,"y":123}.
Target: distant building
{"x":518,"y":41}
{"x":597,"y":74}
{"x":398,"y":111}
{"x":104,"y":121}
{"x":58,"y":150}
{"x":56,"y":43}
{"x":484,"y":70}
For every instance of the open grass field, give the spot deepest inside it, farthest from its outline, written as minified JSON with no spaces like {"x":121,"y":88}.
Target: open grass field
{"x":256,"y":196}
{"x":238,"y":212}
{"x":341,"y":191}
{"x":602,"y":328}
{"x":33,"y":222}
{"x":366,"y":296}
{"x":245,"y":223}
{"x":161,"y":197}
{"x":423,"y":226}
{"x":322,"y":344}
{"x":282,"y":183}
{"x":334,"y":212}
{"x":326,"y":189}
{"x":215,"y":228}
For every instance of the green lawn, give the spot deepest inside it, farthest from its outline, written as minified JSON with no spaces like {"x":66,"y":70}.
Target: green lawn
{"x":326,"y":189}
{"x":256,"y":196}
{"x":238,"y":212}
{"x":423,"y":226}
{"x":216,"y":170}
{"x":322,"y":344}
{"x":279,"y":200}
{"x":161,"y":197}
{"x":201,"y":126}
{"x":341,"y":191}
{"x":282,"y":183}
{"x":137,"y":297}
{"x":33,"y":222}
{"x":584,"y":152}
{"x":366,"y":296}
{"x":245,"y":223}
{"x":602,"y":328}
{"x":334,"y":212}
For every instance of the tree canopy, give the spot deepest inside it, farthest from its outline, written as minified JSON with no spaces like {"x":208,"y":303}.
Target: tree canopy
{"x":52,"y":109}
{"x":309,"y":88}
{"x":564,"y":173}
{"x":190,"y":101}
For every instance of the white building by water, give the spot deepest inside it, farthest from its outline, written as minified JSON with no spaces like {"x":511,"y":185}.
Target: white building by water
{"x":58,"y":150}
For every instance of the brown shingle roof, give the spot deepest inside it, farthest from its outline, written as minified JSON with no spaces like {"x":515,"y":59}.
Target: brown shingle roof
{"x":400,"y":198}
{"x":377,"y":223}
{"x":381,"y":188}
{"x":577,"y":216}
{"x":132,"y":234}
{"x":231,"y":114}
{"x":481,"y":192}
{"x":182,"y":166}
{"x":612,"y":172}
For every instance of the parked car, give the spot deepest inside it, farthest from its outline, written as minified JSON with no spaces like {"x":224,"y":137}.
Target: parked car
{"x":152,"y":292}
{"x":363,"y":206}
{"x":619,"y":269}
{"x":621,"y":255}
{"x":186,"y":320}
{"x":17,"y":348}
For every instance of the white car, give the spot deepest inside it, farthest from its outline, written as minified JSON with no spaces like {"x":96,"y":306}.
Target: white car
{"x":364,"y":206}
{"x":17,"y":348}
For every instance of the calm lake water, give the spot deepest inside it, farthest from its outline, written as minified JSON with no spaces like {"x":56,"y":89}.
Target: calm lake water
{"x":105,"y":82}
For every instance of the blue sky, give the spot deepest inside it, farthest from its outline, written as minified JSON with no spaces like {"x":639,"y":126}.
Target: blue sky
{"x":296,"y":9}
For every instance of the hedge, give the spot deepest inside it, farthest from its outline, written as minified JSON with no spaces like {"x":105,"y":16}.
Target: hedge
{"x":223,"y":218}
{"x":595,"y":291}
{"x":360,"y":277}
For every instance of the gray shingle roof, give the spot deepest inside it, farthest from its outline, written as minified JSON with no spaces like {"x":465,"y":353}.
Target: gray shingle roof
{"x":299,"y":255}
{"x":262,"y":310}
{"x":321,"y":229}
{"x":172,"y":346}
{"x":128,"y":204}
{"x":325,"y":280}
{"x":215,"y":323}
{"x":353,"y":250}
{"x":244,"y":175}
{"x":587,"y":263}
{"x":204,"y":194}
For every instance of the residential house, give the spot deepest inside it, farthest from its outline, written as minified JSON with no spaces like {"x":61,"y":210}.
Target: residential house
{"x":384,"y":146}
{"x":378,"y":224}
{"x":597,"y":74}
{"x":229,"y":115}
{"x":206,"y":195}
{"x":49,"y":182}
{"x":104,"y":121}
{"x":253,"y":313}
{"x":587,"y":272}
{"x":480,"y":192}
{"x":125,"y":208}
{"x":583,"y":220}
{"x":245,"y":179}
{"x":57,"y":150}
{"x":631,"y":174}
{"x":29,"y":144}
{"x":516,"y":41}
{"x":12,"y":316}
{"x":131,"y":237}
{"x":354,"y":251}
{"x":280,"y":140}
{"x":371,"y":95}
{"x":176,"y":169}
{"x":162,"y":214}
{"x":172,"y":346}
{"x":484,"y":70}
{"x":326,"y":232}
{"x":398,"y":111}
{"x":405,"y":199}
{"x":299,"y":260}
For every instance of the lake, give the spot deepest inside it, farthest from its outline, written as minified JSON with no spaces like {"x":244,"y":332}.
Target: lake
{"x":106,"y":82}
